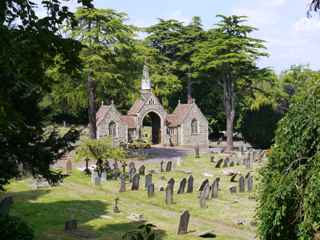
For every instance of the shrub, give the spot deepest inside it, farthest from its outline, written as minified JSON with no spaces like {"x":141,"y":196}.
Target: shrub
{"x":258,"y":126}
{"x":289,"y":191}
{"x":14,"y":228}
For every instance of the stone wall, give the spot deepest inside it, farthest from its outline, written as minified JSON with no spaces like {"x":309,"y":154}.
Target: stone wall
{"x":187,"y":137}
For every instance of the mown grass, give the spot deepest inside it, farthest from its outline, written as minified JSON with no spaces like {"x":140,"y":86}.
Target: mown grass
{"x":48,"y":209}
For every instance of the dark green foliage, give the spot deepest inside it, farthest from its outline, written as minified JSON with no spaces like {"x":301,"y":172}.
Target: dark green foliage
{"x":289,"y":192}
{"x":14,"y":228}
{"x":258,"y":126}
{"x":144,"y":232}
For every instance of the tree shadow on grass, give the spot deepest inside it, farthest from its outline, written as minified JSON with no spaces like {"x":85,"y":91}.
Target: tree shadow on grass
{"x":48,"y":217}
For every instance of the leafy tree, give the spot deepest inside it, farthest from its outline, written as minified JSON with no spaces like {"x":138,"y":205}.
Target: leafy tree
{"x":314,"y":6}
{"x":230,"y":54}
{"x":289,"y":189}
{"x":14,"y":228}
{"x":28,"y":45}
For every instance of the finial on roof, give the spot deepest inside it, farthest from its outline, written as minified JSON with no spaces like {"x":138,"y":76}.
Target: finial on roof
{"x":102,"y":103}
{"x":179,"y":101}
{"x":145,"y":83}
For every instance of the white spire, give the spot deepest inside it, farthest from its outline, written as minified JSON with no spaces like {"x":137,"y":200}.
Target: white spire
{"x":145,"y":83}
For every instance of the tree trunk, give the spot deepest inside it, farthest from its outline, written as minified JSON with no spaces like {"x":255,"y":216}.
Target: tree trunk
{"x":92,"y":107}
{"x":229,"y":106}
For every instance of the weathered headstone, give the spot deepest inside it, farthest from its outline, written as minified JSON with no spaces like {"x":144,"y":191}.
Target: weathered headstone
{"x":122,"y":183}
{"x":218,"y":183}
{"x":5,"y":205}
{"x":182,"y":186}
{"x":161,"y":166}
{"x":184,"y":222}
{"x":241,"y":184}
{"x":197,"y":151}
{"x":150,"y":190}
{"x":161,"y":189}
{"x":212,"y":159}
{"x":220,"y":161}
{"x":142,"y":170}
{"x":132,"y":173}
{"x":171,"y":182}
{"x":233,"y":189}
{"x":68,"y":166}
{"x":169,"y":166}
{"x":250,"y":183}
{"x":135,"y":182}
{"x":233,"y":178}
{"x":214,"y":189}
{"x":226,"y":162}
{"x":148,"y":180}
{"x":190,"y":184}
{"x":115,"y":207}
{"x":71,"y":225}
{"x":95,"y":179}
{"x":203,"y":184}
{"x":169,"y":194}
{"x":203,"y":196}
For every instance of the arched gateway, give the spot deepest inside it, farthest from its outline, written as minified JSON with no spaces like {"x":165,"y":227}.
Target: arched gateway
{"x":177,"y":128}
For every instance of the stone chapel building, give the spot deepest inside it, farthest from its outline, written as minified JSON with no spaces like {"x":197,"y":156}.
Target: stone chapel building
{"x":186,"y":126}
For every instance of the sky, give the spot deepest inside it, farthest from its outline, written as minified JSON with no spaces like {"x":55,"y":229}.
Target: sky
{"x":291,"y":37}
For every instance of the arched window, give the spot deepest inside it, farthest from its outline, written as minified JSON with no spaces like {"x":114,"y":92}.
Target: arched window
{"x":112,"y":129}
{"x":194,"y":127}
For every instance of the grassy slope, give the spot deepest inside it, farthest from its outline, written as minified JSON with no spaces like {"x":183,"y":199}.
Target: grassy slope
{"x":47,"y":209}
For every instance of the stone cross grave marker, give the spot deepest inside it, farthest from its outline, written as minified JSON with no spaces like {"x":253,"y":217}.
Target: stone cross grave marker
{"x":190,"y":184}
{"x":122,"y":183}
{"x":203,"y":184}
{"x":203,"y":196}
{"x":142,"y":170}
{"x":135,"y":182}
{"x":184,"y":222}
{"x":220,"y":161}
{"x":241,"y":184}
{"x":148,"y":180}
{"x":150,"y":190}
{"x":169,"y":166}
{"x":250,"y":183}
{"x":233,"y":189}
{"x":182,"y":186}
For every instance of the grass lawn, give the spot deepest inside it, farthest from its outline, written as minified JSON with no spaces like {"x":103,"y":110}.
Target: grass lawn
{"x":47,"y":209}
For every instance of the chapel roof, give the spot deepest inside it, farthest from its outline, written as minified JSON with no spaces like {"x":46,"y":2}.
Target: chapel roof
{"x":180,"y":113}
{"x":103,"y":110}
{"x":130,"y":121}
{"x":136,"y":107}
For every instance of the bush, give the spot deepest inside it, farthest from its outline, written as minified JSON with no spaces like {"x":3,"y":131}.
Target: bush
{"x":258,"y":126}
{"x":14,"y":228}
{"x":289,"y":191}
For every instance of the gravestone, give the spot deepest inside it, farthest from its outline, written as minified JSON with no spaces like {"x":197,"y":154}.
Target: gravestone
{"x":233,"y":189}
{"x":190,"y":184}
{"x":161,"y":166}
{"x":203,"y":184}
{"x":5,"y":205}
{"x":250,"y":183}
{"x":95,"y":179}
{"x":220,"y":161}
{"x":148,"y":180}
{"x":68,"y":166}
{"x":184,"y":222}
{"x":226,"y":162}
{"x":103,"y":176}
{"x":169,"y":166}
{"x":142,"y":170}
{"x":171,"y":182}
{"x":150,"y":190}
{"x":115,"y":207}
{"x":161,"y":189}
{"x":122,"y":183}
{"x":233,"y":178}
{"x":135,"y":182}
{"x":247,"y":175}
{"x":218,"y":183}
{"x":132,"y":173}
{"x":124,"y":165}
{"x":203,"y":196}
{"x":182,"y":186}
{"x":131,"y":165}
{"x":212,"y":159}
{"x":197,"y":151}
{"x":214,"y":189}
{"x":241,"y":184}
{"x":169,"y":194}
{"x":70,"y":225}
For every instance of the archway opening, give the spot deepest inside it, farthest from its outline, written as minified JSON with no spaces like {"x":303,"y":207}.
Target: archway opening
{"x":151,"y":129}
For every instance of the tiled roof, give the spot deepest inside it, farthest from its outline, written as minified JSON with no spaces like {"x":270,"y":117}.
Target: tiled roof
{"x":136,"y":107}
{"x":102,"y":112}
{"x":130,"y":121}
{"x":180,"y":113}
